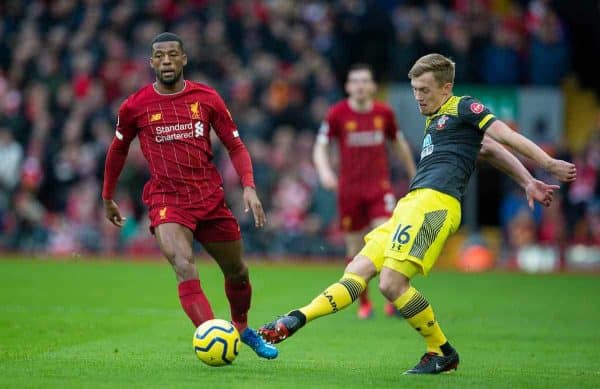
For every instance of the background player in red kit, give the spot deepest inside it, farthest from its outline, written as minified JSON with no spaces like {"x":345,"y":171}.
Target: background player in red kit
{"x":361,"y":127}
{"x":172,"y":119}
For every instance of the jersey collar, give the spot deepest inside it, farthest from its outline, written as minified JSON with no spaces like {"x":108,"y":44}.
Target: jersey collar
{"x":185,"y":84}
{"x":441,"y":108}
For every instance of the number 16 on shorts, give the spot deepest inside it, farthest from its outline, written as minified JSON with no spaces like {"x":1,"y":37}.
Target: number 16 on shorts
{"x":401,"y":236}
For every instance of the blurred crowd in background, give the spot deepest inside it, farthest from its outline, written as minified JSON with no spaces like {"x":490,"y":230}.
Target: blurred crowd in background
{"x":66,"y":65}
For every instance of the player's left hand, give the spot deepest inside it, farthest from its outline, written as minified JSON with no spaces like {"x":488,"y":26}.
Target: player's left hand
{"x":541,"y":192}
{"x":251,"y":202}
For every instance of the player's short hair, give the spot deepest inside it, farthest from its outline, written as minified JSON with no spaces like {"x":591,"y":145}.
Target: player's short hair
{"x":441,"y":67}
{"x":167,"y":37}
{"x":361,"y":66}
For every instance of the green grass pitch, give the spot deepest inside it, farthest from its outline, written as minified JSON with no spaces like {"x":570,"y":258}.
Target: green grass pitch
{"x":119,"y":324}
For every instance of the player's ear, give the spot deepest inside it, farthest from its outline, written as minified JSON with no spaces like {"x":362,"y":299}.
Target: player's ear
{"x":184,"y":57}
{"x":447,"y":88}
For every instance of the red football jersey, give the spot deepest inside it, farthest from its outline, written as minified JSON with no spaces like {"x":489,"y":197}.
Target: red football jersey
{"x":174,"y":133}
{"x":361,"y":138}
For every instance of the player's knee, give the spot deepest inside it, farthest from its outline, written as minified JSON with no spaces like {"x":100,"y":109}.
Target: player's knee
{"x":392,"y":288}
{"x":362,"y":266}
{"x":237,"y":273}
{"x":185,"y":270}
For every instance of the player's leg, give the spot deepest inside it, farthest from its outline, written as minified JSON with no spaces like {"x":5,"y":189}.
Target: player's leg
{"x":417,"y":311}
{"x":354,"y":242}
{"x":238,"y":289}
{"x":221,"y":239}
{"x":334,"y":298}
{"x":425,"y":220}
{"x":380,"y":206}
{"x":339,"y":295}
{"x":354,"y":222}
{"x":389,"y":309}
{"x":175,"y":242}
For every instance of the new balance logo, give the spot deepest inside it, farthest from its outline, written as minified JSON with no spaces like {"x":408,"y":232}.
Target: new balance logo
{"x":155,"y":117}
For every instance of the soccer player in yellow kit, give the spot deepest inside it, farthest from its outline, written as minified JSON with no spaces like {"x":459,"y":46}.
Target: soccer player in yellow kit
{"x":410,"y":242}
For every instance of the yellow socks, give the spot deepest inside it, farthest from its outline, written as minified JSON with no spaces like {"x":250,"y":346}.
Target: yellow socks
{"x":336,"y":297}
{"x":418,"y":313}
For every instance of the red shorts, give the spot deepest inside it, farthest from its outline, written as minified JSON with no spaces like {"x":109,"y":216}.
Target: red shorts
{"x":358,"y":210}
{"x":210,"y":224}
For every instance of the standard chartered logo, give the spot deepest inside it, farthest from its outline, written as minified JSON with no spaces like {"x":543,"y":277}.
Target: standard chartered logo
{"x":179,"y":131}
{"x":427,"y":146}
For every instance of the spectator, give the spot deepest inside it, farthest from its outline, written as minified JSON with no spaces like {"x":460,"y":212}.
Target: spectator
{"x":548,"y":56}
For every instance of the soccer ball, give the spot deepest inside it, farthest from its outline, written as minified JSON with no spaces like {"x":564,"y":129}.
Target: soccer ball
{"x":216,"y":342}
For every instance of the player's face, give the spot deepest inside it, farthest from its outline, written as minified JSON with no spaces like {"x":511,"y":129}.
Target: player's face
{"x":430,"y":95}
{"x":168,"y":61}
{"x":360,"y":85}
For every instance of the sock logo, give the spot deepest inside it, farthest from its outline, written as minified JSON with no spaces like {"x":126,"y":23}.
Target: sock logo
{"x":331,"y":302}
{"x":430,"y":323}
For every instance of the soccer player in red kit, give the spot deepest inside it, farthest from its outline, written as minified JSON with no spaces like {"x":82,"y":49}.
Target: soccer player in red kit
{"x":361,"y":127}
{"x":173,"y":118}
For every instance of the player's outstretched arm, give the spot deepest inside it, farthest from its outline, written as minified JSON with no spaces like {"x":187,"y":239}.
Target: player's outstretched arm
{"x":323,"y":165}
{"x":505,"y":161}
{"x":402,"y":150}
{"x":562,"y":170}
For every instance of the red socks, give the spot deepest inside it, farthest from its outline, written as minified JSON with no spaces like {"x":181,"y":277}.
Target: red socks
{"x":239,"y":294}
{"x":196,"y":305}
{"x":194,"y":302}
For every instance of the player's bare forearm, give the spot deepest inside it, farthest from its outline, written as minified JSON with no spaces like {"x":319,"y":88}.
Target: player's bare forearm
{"x":562,"y":170}
{"x":503,"y":134}
{"x":321,"y":161}
{"x":405,"y":155}
{"x":504,"y":161}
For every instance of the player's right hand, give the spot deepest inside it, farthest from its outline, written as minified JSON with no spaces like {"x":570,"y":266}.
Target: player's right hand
{"x":562,"y":170}
{"x":329,"y":181}
{"x":112,"y":213}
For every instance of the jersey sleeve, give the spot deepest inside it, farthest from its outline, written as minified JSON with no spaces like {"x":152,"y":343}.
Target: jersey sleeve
{"x":328,"y":129}
{"x":475,"y":113}
{"x":227,"y":131}
{"x":125,"y":132}
{"x":222,"y":122}
{"x":126,"y":129}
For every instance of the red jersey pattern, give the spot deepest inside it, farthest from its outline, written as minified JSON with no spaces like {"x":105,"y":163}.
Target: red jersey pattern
{"x":174,"y":133}
{"x":364,"y":192}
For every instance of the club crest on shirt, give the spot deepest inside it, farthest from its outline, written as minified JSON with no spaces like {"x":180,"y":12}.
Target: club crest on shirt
{"x":195,"y":110}
{"x":378,"y":122}
{"x":351,"y":125}
{"x":477,"y":108}
{"x":155,"y":116}
{"x":162,"y":213}
{"x":441,"y":122}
